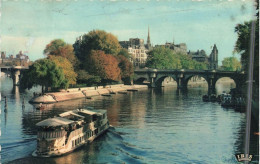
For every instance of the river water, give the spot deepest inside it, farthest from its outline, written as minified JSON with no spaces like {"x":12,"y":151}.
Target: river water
{"x":150,"y":126}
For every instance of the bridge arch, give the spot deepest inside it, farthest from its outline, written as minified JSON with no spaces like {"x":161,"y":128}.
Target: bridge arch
{"x":231,"y":80}
{"x":160,"y":78}
{"x":141,"y":80}
{"x":189,"y":78}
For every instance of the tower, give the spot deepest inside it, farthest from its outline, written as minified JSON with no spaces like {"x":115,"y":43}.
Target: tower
{"x":213,"y":58}
{"x":148,"y":45}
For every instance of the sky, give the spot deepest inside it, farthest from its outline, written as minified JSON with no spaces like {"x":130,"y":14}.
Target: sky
{"x":29,"y":25}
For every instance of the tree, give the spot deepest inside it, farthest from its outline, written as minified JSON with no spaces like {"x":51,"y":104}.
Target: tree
{"x":53,"y":47}
{"x":46,"y":73}
{"x":126,"y":67}
{"x":242,"y":47}
{"x":103,"y":65}
{"x":58,"y":47}
{"x":124,"y":52}
{"x":162,"y":58}
{"x":85,"y":77}
{"x":66,"y":66}
{"x":231,"y":64}
{"x":96,"y":40}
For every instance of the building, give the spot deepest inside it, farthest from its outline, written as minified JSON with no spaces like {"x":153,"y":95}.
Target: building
{"x":213,"y":58}
{"x":136,"y":47}
{"x":3,"y":55}
{"x":20,"y":59}
{"x":138,"y":50}
{"x":178,"y":48}
{"x":139,"y":56}
{"x":199,"y":56}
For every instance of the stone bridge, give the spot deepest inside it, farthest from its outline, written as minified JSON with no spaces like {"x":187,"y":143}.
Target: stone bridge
{"x":14,"y":72}
{"x":182,"y":77}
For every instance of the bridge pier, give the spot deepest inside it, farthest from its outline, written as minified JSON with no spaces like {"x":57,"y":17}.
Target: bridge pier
{"x":16,"y":77}
{"x":152,"y":76}
{"x":211,"y":86}
{"x":181,"y":83}
{"x":152,"y":83}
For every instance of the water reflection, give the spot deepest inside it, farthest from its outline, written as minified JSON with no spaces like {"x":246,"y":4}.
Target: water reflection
{"x":162,"y":125}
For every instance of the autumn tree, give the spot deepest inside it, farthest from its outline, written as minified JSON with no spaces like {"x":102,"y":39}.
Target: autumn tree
{"x":127,"y":69}
{"x":45,"y":73}
{"x":231,"y":64}
{"x":96,"y":40}
{"x":103,"y":65}
{"x":66,"y":66}
{"x":58,"y":47}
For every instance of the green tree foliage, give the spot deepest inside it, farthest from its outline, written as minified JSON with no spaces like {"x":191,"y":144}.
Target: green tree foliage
{"x":58,"y":47}
{"x":164,"y":58}
{"x":126,"y":67}
{"x":45,"y":73}
{"x":124,"y":52}
{"x":96,"y":40}
{"x":66,"y":66}
{"x":85,"y":77}
{"x":103,"y":65}
{"x":231,"y":64}
{"x":242,"y":47}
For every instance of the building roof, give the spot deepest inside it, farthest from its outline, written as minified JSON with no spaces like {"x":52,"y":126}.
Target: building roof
{"x":56,"y":121}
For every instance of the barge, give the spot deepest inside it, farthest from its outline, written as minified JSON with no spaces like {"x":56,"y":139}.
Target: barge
{"x":69,"y":131}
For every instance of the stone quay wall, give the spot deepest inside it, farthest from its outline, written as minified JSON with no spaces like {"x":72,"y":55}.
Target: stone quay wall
{"x":86,"y":92}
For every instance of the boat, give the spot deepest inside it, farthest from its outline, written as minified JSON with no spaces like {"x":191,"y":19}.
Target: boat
{"x":40,"y":107}
{"x":213,"y":98}
{"x":132,"y":90}
{"x":227,"y":101}
{"x":205,"y":98}
{"x":122,"y":92}
{"x":108,"y":95}
{"x":68,"y":131}
{"x":240,"y":104}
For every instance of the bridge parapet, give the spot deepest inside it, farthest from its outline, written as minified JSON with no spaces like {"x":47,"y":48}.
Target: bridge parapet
{"x":14,"y":72}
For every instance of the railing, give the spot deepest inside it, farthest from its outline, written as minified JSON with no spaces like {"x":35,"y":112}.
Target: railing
{"x":51,"y":134}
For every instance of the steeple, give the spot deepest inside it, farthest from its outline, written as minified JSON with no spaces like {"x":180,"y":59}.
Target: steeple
{"x":148,"y":38}
{"x":149,"y":46}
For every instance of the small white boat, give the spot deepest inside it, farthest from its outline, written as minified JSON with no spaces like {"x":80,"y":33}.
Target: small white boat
{"x":69,"y":131}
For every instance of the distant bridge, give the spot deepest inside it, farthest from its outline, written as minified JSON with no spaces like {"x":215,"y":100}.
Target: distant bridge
{"x":14,"y":72}
{"x":182,"y":76}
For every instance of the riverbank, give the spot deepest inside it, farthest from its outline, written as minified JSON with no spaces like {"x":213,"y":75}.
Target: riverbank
{"x":86,"y":92}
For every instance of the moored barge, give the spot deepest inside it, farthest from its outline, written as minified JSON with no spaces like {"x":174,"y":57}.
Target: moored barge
{"x":69,"y":131}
